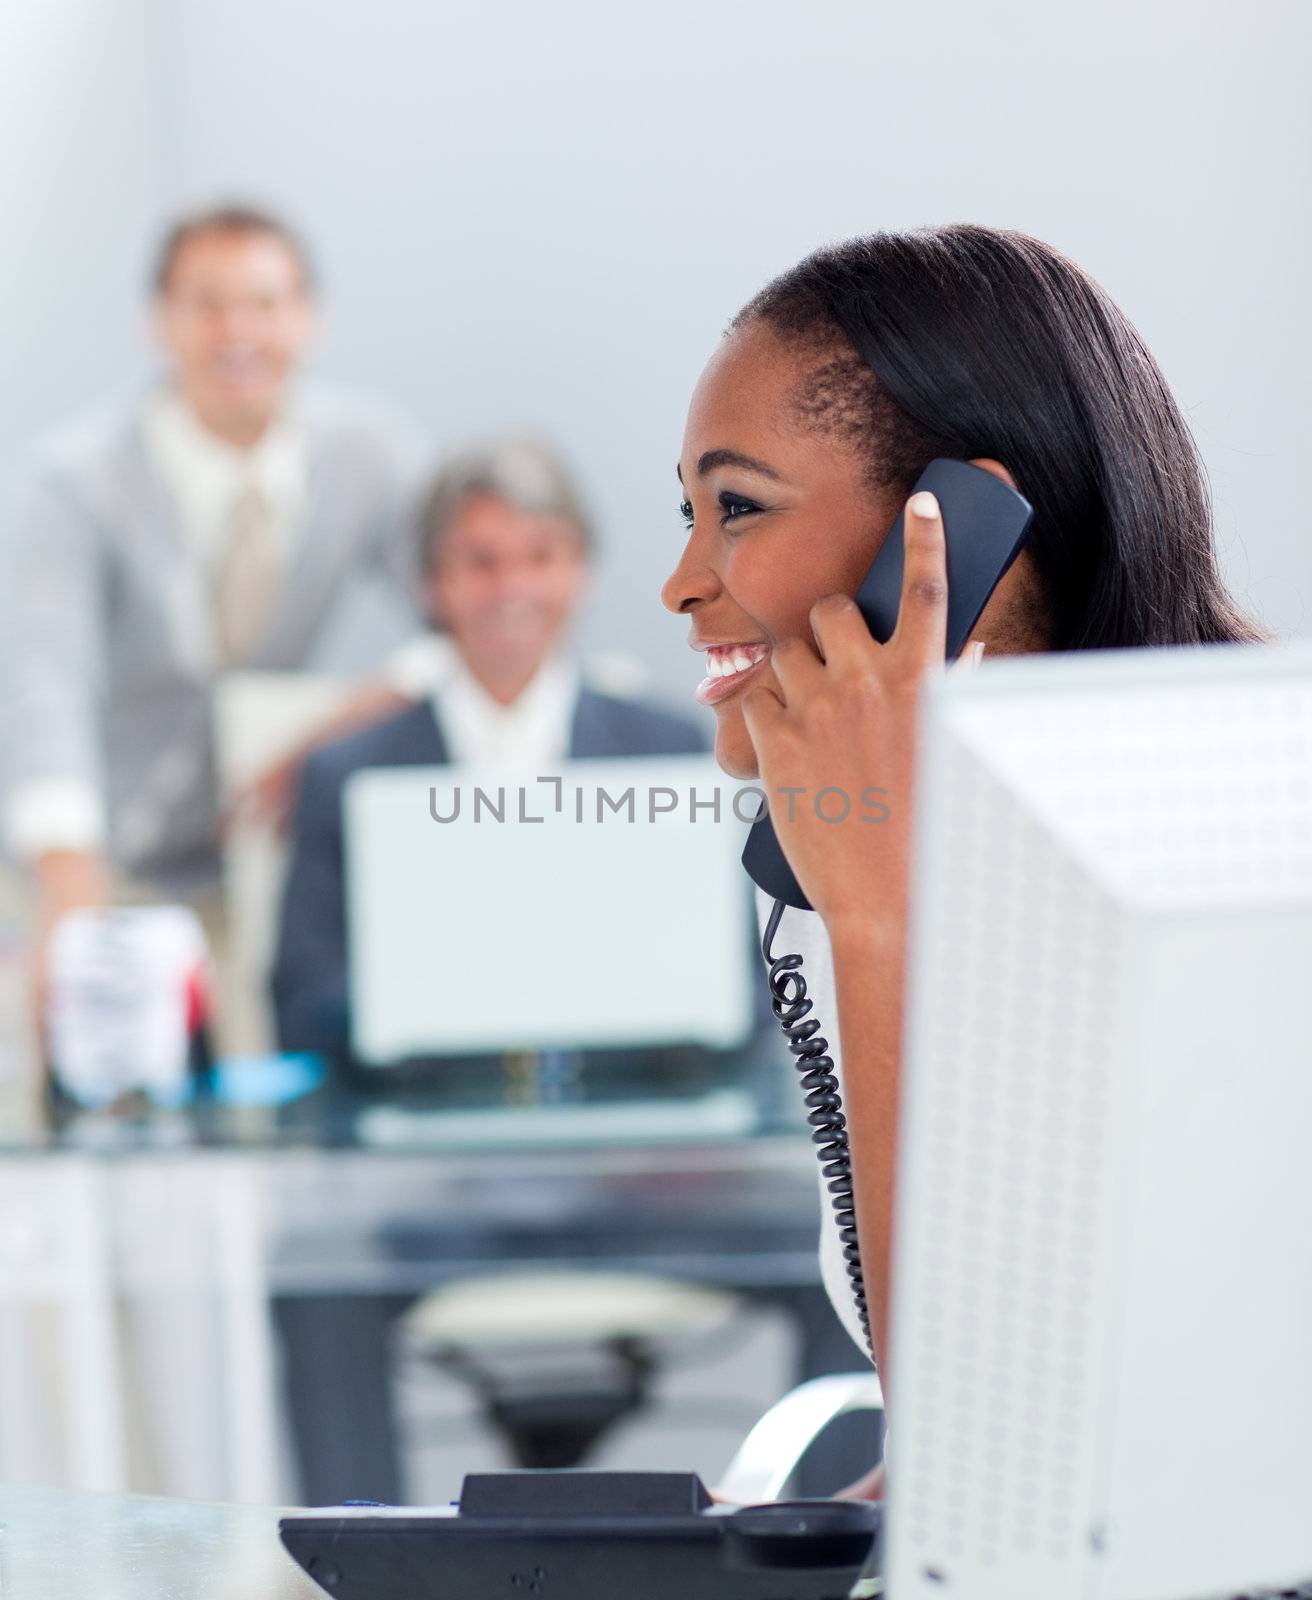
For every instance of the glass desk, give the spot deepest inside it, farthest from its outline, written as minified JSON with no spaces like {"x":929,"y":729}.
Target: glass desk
{"x":62,"y":1545}
{"x":287,"y":1242}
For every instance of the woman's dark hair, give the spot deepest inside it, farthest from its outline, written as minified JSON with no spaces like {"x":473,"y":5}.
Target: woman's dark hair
{"x":970,"y":341}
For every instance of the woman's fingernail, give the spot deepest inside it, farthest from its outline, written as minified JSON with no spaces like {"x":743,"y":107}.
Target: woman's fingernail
{"x":969,"y":658}
{"x":924,"y":505}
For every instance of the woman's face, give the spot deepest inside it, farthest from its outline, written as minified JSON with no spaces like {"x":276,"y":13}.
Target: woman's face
{"x":781,"y":514}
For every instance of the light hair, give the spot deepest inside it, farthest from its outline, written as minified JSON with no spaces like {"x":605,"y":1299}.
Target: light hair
{"x":232,"y":217}
{"x":524,"y":471}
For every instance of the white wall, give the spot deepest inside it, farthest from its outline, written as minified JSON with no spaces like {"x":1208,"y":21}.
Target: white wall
{"x":79,"y":191}
{"x":546,"y":213}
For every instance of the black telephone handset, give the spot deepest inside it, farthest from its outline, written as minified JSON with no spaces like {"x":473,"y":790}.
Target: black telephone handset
{"x":985,"y":523}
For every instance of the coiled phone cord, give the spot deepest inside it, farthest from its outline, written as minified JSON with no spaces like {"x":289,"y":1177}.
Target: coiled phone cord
{"x":793,"y":1008}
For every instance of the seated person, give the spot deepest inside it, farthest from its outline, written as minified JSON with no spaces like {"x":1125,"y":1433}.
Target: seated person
{"x":505,"y":551}
{"x":836,"y":386}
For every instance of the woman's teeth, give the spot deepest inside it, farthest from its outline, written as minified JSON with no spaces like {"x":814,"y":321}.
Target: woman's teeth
{"x":723,"y":661}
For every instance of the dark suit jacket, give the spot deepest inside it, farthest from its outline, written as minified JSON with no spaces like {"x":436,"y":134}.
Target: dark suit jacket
{"x":310,"y":993}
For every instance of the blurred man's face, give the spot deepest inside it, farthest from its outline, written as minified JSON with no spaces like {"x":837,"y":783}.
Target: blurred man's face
{"x":504,"y":585}
{"x":235,"y":317}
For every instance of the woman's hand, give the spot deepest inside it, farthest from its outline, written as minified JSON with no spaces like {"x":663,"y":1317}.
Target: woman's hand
{"x":844,"y":720}
{"x":840,"y":735}
{"x":874,"y":1486}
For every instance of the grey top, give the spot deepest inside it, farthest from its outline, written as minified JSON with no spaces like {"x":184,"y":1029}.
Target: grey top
{"x":107,"y":676}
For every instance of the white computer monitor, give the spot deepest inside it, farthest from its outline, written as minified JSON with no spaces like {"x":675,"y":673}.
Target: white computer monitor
{"x":1101,"y":1356}
{"x":604,"y":906}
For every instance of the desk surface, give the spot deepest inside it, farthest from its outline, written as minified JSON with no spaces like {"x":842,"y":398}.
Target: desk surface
{"x":679,"y":1097}
{"x":340,"y":1213}
{"x":178,"y":1212}
{"x":346,"y":1221}
{"x":61,"y":1545}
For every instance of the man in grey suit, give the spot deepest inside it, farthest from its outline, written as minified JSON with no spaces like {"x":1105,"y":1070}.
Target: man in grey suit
{"x":229,"y":517}
{"x":505,"y":547}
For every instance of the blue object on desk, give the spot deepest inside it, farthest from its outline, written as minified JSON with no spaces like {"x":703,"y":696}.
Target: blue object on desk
{"x":271,"y":1080}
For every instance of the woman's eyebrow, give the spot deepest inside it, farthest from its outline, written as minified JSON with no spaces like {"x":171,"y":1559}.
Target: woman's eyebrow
{"x":733,"y":458}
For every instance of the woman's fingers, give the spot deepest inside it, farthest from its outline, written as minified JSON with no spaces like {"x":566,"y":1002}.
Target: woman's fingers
{"x":969,"y":658}
{"x":763,"y":710}
{"x":796,"y":667}
{"x":844,"y":648}
{"x":922,"y":619}
{"x":841,"y":632}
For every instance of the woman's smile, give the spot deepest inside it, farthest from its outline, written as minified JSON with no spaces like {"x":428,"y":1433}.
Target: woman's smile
{"x":729,"y":667}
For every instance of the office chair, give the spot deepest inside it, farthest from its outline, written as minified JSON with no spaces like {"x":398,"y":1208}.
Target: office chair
{"x":557,"y":1359}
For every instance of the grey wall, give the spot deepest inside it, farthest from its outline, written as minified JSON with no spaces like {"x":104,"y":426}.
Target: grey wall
{"x":545,"y":213}
{"x":79,"y":188}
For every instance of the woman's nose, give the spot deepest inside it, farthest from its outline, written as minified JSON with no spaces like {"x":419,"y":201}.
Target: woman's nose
{"x":691,"y":582}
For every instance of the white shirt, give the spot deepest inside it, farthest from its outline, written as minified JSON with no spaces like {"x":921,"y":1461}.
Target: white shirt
{"x":803,"y":933}
{"x":204,"y":477}
{"x":417,"y":667}
{"x":533,"y":731}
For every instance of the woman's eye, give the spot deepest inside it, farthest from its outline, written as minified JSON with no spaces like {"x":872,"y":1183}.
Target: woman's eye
{"x":734,"y":506}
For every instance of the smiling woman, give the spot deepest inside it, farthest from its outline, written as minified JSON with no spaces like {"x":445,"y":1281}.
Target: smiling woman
{"x":831,"y":392}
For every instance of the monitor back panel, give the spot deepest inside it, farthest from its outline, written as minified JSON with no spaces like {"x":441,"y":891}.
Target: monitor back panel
{"x":1103,"y":1269}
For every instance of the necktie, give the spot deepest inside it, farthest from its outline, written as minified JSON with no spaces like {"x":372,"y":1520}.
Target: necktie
{"x":248,"y":578}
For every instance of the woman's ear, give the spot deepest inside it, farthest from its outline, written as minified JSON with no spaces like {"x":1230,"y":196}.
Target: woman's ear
{"x":996,"y":468}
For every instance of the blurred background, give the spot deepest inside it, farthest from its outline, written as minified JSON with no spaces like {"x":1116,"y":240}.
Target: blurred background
{"x":532,"y":219}
{"x":548,"y":214}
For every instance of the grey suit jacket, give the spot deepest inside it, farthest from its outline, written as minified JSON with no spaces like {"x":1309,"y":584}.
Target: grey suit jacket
{"x":101,"y":641}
